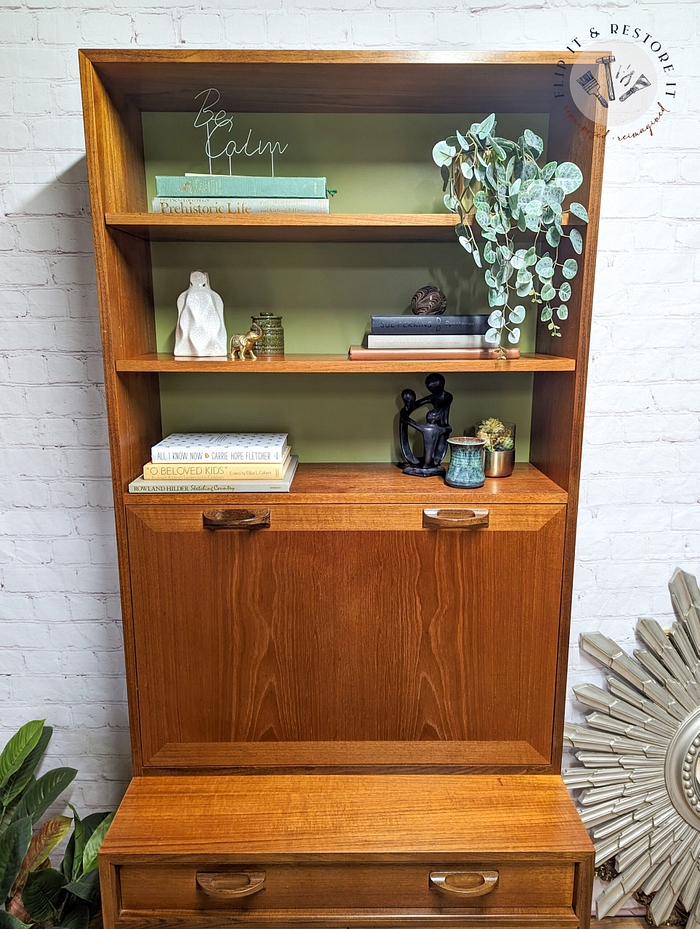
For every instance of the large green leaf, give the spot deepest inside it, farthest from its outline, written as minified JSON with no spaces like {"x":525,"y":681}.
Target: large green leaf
{"x":87,"y":888}
{"x":443,"y":153}
{"x":17,"y":749}
{"x":570,"y":268}
{"x":14,"y":843}
{"x":22,"y":777}
{"x":43,"y":894}
{"x":578,"y":209}
{"x":92,"y":845}
{"x":72,"y":864}
{"x":40,"y":847}
{"x":43,"y":792}
{"x":576,"y":240}
{"x":533,"y":142}
{"x":568,"y":177}
{"x":486,"y":127}
{"x":76,"y":918}
{"x":8,"y":921}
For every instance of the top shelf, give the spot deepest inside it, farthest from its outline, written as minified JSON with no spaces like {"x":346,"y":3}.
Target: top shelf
{"x":294,"y":227}
{"x":270,"y":81}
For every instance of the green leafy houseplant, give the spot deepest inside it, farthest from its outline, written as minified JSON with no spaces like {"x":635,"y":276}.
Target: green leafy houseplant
{"x":32,"y":893}
{"x":511,"y":195}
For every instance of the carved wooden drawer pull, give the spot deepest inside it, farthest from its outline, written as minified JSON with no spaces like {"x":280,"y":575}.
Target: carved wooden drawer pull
{"x":231,"y":883}
{"x":442,"y":518}
{"x":466,"y":883}
{"x":236,"y":519}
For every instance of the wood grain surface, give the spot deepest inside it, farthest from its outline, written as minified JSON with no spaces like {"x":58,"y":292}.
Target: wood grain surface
{"x":294,"y":227}
{"x":349,"y":886}
{"x":336,"y":81}
{"x":337,"y":364}
{"x":387,"y":818}
{"x":404,"y":640}
{"x":380,"y":483}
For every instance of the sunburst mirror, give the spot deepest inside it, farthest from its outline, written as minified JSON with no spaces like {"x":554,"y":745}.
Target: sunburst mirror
{"x":640,"y":784}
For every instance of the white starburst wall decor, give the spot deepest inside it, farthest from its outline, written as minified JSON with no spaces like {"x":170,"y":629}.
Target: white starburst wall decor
{"x":639,"y":782}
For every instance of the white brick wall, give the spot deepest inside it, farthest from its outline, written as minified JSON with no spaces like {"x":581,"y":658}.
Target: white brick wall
{"x":60,"y":639}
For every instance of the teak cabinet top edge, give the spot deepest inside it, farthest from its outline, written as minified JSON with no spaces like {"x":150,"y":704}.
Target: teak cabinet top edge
{"x":330,"y":56}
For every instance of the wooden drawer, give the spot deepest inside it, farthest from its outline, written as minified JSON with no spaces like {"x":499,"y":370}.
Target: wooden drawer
{"x":348,"y":885}
{"x":340,"y":851}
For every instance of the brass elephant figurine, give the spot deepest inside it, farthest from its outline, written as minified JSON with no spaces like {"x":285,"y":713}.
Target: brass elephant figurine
{"x":243,"y":343}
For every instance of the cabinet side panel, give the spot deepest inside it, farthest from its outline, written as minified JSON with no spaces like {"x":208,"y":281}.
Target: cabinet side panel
{"x":112,"y":137}
{"x":558,"y":404}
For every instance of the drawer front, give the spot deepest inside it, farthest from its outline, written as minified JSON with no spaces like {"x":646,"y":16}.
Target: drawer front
{"x":347,"y":637}
{"x":351,"y":886}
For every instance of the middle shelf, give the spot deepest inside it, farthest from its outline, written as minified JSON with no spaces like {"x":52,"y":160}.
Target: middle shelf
{"x":162,"y":362}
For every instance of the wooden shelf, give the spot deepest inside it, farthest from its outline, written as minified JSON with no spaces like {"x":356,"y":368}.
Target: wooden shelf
{"x":293,"y":227}
{"x":379,"y":483}
{"x":336,"y":364}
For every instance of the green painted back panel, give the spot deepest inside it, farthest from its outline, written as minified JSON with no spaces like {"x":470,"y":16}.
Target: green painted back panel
{"x":327,"y":291}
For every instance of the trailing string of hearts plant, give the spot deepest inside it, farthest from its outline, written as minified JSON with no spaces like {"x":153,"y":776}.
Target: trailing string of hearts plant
{"x":502,"y":183}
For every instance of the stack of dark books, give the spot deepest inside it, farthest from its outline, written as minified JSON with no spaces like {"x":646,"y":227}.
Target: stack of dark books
{"x":430,"y":338}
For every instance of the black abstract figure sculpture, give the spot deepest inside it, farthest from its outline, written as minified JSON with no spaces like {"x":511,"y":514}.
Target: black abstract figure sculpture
{"x":435,"y":430}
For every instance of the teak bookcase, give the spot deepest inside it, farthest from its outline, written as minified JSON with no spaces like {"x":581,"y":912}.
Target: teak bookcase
{"x":345,"y":646}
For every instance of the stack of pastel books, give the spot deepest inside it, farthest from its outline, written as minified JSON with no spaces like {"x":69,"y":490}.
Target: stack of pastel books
{"x":218,"y":194}
{"x":218,"y":463}
{"x":429,"y":338}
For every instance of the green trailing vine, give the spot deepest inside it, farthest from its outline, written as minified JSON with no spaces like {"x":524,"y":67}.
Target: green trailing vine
{"x":511,"y":195}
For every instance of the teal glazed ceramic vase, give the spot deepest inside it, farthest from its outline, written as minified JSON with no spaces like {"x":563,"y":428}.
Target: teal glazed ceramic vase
{"x":466,"y":462}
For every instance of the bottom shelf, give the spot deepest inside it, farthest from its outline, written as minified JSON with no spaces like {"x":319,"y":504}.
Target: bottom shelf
{"x":379,"y":483}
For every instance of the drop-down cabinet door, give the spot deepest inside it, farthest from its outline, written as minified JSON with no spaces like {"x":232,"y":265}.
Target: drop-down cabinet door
{"x":346,"y":637}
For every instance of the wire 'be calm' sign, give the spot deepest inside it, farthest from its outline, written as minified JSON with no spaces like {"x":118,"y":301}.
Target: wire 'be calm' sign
{"x":214,"y":121}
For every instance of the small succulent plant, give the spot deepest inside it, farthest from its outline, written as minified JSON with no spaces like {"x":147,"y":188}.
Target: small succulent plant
{"x":512,"y":196}
{"x":497,"y":435}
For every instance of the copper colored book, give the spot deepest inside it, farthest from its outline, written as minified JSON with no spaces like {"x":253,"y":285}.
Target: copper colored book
{"x":360,"y":353}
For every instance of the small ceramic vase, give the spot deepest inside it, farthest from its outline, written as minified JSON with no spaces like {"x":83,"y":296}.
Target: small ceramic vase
{"x":272,"y":342}
{"x":466,"y":462}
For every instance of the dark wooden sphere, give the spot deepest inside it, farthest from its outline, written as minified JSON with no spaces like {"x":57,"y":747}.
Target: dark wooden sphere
{"x":429,"y":301}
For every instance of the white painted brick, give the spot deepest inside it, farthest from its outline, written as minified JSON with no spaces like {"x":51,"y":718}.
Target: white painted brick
{"x":153,"y":30}
{"x":31,"y":199}
{"x":69,"y":493}
{"x":415,"y":28}
{"x":203,"y":29}
{"x":373,"y":29}
{"x":328,"y":30}
{"x":33,"y":63}
{"x":65,"y":133}
{"x":21,"y":269}
{"x":33,"y":167}
{"x":15,"y":133}
{"x":244,"y":28}
{"x":67,"y":98}
{"x":36,"y":235}
{"x":17,"y":28}
{"x":287,"y":30}
{"x":109,"y":29}
{"x":57,"y":432}
{"x":73,"y":269}
{"x":32,"y":99}
{"x":57,"y":28}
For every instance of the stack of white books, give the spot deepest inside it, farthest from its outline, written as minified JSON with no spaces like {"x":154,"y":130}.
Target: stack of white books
{"x":218,"y":462}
